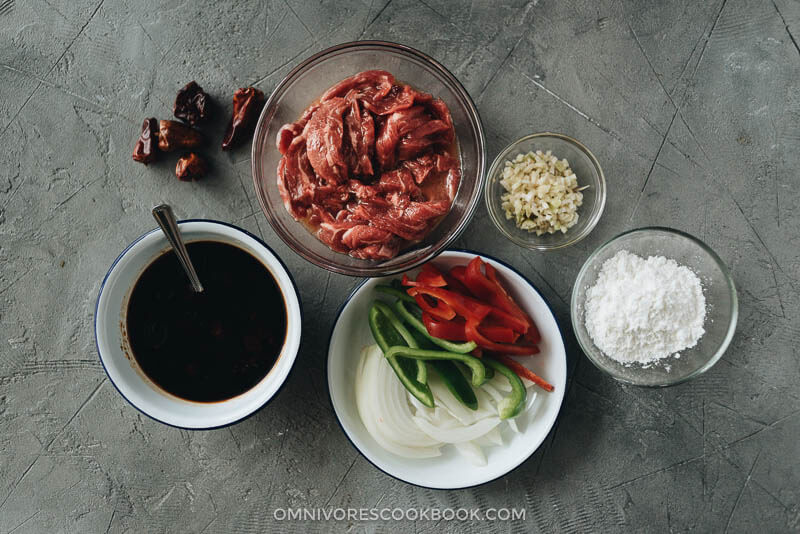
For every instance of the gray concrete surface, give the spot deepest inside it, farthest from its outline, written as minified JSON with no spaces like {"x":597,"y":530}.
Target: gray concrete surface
{"x":693,"y":109}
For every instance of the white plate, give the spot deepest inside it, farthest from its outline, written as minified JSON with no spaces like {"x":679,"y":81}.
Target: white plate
{"x":450,"y":471}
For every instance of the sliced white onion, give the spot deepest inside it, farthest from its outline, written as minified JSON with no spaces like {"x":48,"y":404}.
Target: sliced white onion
{"x":491,"y":438}
{"x":487,"y":406}
{"x":472,"y":452}
{"x":527,"y":382}
{"x":493,"y":393}
{"x":445,"y":398}
{"x":499,"y":382}
{"x":371,"y":386}
{"x":458,"y":435}
{"x":402,"y":425}
{"x":420,"y":409}
{"x":532,"y":393}
{"x":393,"y":405}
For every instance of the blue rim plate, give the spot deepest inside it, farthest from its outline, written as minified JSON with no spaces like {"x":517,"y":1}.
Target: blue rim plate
{"x":448,"y":471}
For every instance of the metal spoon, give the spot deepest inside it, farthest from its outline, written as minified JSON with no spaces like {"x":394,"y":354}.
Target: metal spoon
{"x":166,"y":220}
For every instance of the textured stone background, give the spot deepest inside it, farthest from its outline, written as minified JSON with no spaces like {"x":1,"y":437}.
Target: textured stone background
{"x":693,"y":109}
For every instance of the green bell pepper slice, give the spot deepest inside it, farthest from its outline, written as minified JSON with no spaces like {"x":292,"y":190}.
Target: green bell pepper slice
{"x":512,"y":405}
{"x":396,"y":293}
{"x":389,"y":331}
{"x":416,"y":323}
{"x":475,"y":365}
{"x":451,"y":374}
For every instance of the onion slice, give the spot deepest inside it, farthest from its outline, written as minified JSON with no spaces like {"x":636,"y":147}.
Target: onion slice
{"x":472,"y":452}
{"x":402,"y":425}
{"x":458,"y":435}
{"x":375,"y":415}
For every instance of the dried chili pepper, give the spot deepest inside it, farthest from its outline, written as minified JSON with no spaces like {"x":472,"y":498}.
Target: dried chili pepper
{"x":173,"y":135}
{"x":192,"y":104}
{"x":146,"y":148}
{"x":247,"y":105}
{"x":190,"y":167}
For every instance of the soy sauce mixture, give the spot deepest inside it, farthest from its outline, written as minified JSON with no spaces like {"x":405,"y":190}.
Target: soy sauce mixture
{"x":213,"y":345}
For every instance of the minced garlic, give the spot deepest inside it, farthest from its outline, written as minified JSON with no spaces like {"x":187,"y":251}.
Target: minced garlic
{"x":542,"y":193}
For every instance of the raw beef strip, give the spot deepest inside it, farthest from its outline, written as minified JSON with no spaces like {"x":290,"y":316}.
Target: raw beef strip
{"x":396,"y":126}
{"x":379,"y":81}
{"x":353,"y":163}
{"x":324,"y":136}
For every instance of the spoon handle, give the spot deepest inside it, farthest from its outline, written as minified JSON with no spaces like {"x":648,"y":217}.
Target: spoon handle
{"x":166,"y":220}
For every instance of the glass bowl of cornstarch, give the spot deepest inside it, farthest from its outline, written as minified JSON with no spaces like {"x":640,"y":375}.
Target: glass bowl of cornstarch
{"x":654,"y":307}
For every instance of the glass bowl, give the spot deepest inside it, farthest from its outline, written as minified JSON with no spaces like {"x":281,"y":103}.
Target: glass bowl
{"x":307,"y":82}
{"x":722,"y":307}
{"x":587,"y":170}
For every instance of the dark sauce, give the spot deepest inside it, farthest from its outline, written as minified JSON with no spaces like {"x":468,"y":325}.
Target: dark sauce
{"x":213,"y":345}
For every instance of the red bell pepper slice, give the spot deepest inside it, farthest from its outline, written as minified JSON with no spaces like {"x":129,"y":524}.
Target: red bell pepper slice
{"x":499,"y":334}
{"x":477,"y":282}
{"x":532,"y":335}
{"x":468,"y":308}
{"x":431,"y":276}
{"x":511,"y":321}
{"x":428,"y":276}
{"x":457,"y":273}
{"x":449,"y":330}
{"x":455,"y":284}
{"x":441,"y":310}
{"x":523,"y":371}
{"x":490,"y":287}
{"x":473,"y":334}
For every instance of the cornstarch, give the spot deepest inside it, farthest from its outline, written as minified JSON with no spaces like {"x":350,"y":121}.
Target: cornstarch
{"x":643,"y":310}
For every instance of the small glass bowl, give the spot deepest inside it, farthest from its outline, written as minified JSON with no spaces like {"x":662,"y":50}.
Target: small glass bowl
{"x":586,"y":169}
{"x":307,"y":82}
{"x":722,"y":307}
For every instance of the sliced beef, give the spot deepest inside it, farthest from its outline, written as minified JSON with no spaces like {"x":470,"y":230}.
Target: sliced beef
{"x":410,"y":223}
{"x":376,"y":83}
{"x":324,"y":141}
{"x":296,"y":179}
{"x":382,"y":251}
{"x":430,"y":164}
{"x":439,"y":110}
{"x":363,"y":234}
{"x":396,"y":126}
{"x":289,"y":131}
{"x":451,"y":182}
{"x":353,"y":163}
{"x":421,"y":139}
{"x":421,"y":167}
{"x":361,"y":135}
{"x":286,"y":135}
{"x":399,"y":180}
{"x":397,"y":99}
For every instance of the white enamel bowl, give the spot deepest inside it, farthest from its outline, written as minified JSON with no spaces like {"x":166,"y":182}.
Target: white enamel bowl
{"x":450,"y":471}
{"x":121,"y":367}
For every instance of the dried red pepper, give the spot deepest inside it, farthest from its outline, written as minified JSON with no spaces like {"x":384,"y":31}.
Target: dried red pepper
{"x":190,"y":167}
{"x":191,"y":104}
{"x":174,"y":135}
{"x":247,"y":105}
{"x":146,"y":148}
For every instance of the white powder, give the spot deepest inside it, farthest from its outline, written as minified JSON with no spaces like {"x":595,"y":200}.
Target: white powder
{"x":640,"y":311}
